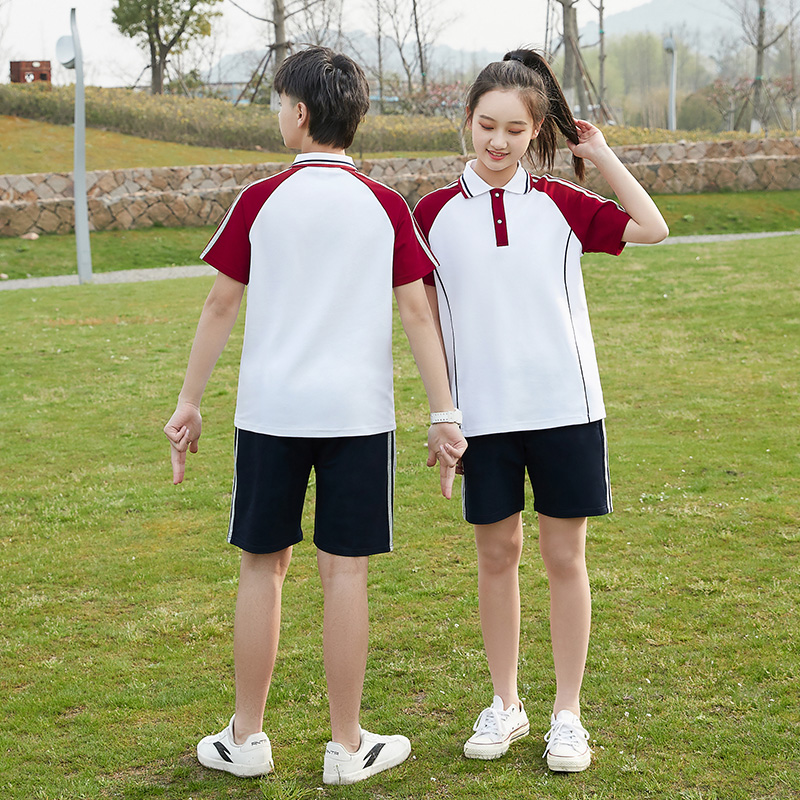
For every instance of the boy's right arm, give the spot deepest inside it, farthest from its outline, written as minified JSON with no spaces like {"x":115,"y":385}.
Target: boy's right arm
{"x":216,"y":322}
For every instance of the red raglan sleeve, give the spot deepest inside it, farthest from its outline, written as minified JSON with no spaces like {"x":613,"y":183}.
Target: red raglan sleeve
{"x":598,"y":223}
{"x":425,"y":213}
{"x":229,"y":247}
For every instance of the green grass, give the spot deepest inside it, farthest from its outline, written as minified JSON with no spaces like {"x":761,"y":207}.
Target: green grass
{"x":111,"y":250}
{"x":743,"y":212}
{"x":29,"y":146}
{"x":116,"y":614}
{"x":165,"y":247}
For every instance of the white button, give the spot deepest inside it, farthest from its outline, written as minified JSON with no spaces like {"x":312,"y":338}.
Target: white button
{"x":499,"y":222}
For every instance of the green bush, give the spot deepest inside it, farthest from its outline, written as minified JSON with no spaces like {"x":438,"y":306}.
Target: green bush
{"x":216,"y":123}
{"x":208,"y":122}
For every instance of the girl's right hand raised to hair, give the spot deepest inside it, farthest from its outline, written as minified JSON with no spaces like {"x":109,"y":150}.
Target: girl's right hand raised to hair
{"x":590,"y":141}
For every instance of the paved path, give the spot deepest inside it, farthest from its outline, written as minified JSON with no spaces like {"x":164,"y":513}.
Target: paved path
{"x":168,"y":273}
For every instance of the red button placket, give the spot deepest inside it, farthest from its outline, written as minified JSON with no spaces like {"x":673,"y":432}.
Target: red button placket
{"x":499,"y":217}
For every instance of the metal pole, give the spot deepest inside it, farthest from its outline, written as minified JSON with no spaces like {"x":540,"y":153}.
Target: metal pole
{"x":79,"y":177}
{"x":671,"y":47}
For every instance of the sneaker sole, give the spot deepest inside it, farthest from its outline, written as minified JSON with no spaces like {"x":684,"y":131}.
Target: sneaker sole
{"x":569,"y":764}
{"x":239,"y":770}
{"x":488,"y":752}
{"x":334,"y":778}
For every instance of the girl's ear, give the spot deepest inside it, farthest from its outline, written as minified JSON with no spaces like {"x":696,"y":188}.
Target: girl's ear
{"x":468,"y":115}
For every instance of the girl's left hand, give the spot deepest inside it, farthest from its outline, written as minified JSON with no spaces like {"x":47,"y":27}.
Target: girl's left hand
{"x":590,"y":140}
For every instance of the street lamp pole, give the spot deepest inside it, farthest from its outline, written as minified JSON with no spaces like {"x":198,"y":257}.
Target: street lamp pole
{"x":68,"y":49}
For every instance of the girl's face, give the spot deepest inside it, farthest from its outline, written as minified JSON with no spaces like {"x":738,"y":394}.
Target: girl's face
{"x":502,"y":129}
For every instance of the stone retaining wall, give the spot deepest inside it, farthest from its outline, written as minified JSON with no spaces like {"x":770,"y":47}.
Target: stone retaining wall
{"x":193,"y":196}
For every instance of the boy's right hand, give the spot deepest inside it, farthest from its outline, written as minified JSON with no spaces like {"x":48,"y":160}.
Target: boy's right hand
{"x":183,"y":430}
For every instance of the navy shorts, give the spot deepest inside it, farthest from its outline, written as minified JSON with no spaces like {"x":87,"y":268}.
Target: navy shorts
{"x":354,"y":492}
{"x":568,"y":470}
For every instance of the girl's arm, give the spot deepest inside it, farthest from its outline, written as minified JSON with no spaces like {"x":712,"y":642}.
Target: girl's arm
{"x":445,"y":442}
{"x":216,"y":322}
{"x":646,"y":226}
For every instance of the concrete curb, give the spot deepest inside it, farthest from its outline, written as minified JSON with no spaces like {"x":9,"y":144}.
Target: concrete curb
{"x":168,"y":273}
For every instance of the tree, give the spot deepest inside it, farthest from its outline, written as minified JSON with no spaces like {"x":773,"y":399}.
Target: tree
{"x":601,"y":90}
{"x":573,"y":74}
{"x":162,"y":26}
{"x":412,"y":27}
{"x":755,"y":29}
{"x":282,"y":12}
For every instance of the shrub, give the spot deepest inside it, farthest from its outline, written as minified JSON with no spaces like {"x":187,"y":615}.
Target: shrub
{"x":208,"y":122}
{"x":216,"y":123}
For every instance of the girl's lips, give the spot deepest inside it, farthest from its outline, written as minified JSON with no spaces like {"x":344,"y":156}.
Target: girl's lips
{"x":496,"y":156}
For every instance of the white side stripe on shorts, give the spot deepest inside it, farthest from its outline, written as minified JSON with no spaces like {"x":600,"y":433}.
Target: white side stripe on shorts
{"x":233,"y":490}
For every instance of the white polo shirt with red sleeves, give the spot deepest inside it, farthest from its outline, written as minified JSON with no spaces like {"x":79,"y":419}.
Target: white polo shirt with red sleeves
{"x":320,"y":247}
{"x":511,"y":298}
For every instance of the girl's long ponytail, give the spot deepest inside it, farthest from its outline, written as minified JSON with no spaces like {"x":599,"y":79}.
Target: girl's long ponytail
{"x":559,"y":116}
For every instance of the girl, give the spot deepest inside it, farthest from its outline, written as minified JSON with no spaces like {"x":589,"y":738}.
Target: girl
{"x":510,"y":297}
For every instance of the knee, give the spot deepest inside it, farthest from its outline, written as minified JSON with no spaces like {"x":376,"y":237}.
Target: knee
{"x":499,"y":555}
{"x":564,"y":563}
{"x":269,"y":566}
{"x":334,"y":569}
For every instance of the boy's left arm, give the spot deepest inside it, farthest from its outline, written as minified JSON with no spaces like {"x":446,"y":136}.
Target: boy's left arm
{"x":446,"y":444}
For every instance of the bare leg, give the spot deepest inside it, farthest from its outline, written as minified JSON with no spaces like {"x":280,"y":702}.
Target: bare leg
{"x":345,"y":640}
{"x":562,"y":543}
{"x":255,"y":635}
{"x":499,"y":550}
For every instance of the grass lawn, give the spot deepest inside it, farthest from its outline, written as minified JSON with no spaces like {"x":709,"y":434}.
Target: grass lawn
{"x":30,"y":146}
{"x":166,"y":247}
{"x":116,"y":615}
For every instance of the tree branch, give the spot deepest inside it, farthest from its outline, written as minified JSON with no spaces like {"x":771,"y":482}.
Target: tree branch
{"x":250,"y":14}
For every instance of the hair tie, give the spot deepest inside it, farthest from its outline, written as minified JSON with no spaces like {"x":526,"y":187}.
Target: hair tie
{"x":517,"y":58}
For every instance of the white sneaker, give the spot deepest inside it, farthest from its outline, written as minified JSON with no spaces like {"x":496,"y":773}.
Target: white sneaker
{"x":495,"y":729}
{"x":375,"y":754}
{"x":219,"y":751}
{"x":567,"y":749}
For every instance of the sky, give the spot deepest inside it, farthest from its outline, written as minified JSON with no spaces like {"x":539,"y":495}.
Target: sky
{"x":29,"y":30}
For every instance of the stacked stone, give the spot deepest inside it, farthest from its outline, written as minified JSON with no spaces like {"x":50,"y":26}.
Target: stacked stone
{"x":194,"y":196}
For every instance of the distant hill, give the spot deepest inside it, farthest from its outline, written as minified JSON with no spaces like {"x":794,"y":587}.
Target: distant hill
{"x":236,"y":68}
{"x":710,"y":18}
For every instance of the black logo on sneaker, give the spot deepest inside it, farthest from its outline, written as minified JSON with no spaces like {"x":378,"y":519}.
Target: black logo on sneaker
{"x":223,"y":751}
{"x":369,"y":758}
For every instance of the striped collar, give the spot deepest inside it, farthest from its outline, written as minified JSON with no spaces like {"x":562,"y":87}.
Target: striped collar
{"x":323,"y":160}
{"x":472,"y":185}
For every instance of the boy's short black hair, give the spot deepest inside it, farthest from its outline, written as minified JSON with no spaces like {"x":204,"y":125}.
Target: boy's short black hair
{"x":334,"y":89}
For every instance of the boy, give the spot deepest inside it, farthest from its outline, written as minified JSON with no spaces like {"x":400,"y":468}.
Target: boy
{"x":320,"y":247}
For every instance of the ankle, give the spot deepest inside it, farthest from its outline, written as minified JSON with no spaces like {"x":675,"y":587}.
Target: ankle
{"x":351,"y":743}
{"x":575,"y":709}
{"x":241,"y":733}
{"x":511,"y":700}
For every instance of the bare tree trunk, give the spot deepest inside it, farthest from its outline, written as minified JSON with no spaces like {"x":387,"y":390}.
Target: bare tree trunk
{"x":602,"y":112}
{"x":380,"y":59}
{"x":420,"y":47}
{"x":279,"y":24}
{"x":573,"y":78}
{"x":601,"y":94}
{"x":758,"y":116}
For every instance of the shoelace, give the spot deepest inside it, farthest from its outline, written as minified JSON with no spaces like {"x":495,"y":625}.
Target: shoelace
{"x":565,"y":733}
{"x":489,"y":721}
